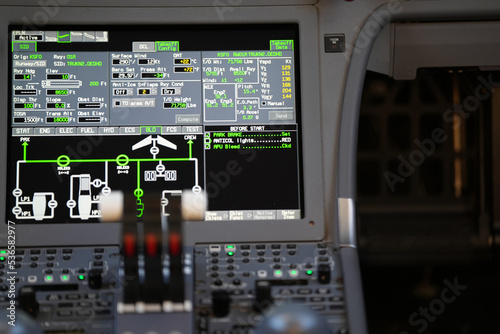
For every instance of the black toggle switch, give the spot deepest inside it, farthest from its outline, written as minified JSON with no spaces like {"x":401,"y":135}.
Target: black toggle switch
{"x":220,"y":303}
{"x":324,"y":274}
{"x":27,"y":300}
{"x":95,"y":279}
{"x":263,"y":298}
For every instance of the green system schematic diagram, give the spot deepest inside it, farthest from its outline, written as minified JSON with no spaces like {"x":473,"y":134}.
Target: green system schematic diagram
{"x":66,"y":183}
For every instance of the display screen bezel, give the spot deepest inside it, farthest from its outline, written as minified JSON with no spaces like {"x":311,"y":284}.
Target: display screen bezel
{"x":259,"y":36}
{"x":313,"y":226}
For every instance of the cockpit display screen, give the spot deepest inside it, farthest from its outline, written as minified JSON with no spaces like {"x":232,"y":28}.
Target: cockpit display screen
{"x":154,"y":110}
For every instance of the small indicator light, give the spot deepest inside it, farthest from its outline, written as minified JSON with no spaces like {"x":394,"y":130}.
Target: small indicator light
{"x":64,"y":278}
{"x":81,"y":277}
{"x":2,"y":258}
{"x":230,"y":253}
{"x":309,"y":272}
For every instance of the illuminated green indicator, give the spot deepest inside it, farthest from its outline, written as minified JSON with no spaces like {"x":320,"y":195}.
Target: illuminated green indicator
{"x":230,"y":253}
{"x":150,"y":130}
{"x":22,"y":77}
{"x":81,"y":277}
{"x":90,"y":63}
{"x":293,"y":272}
{"x":309,"y":272}
{"x":63,"y":37}
{"x":49,"y":278}
{"x":2,"y":258}
{"x":174,"y":105}
{"x":65,"y":278}
{"x":167,"y":46}
{"x":230,"y":247}
{"x":3,"y":252}
{"x":23,"y":45}
{"x":278,"y":272}
{"x":281,"y":44}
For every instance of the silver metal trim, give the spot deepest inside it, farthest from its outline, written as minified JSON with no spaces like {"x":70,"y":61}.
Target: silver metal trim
{"x":347,"y":223}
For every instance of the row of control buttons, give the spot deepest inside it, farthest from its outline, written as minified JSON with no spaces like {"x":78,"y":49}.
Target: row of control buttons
{"x":264,"y":246}
{"x":260,"y":251}
{"x":52,"y":251}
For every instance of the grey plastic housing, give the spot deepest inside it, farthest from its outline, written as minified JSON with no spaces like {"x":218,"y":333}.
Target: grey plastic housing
{"x":402,"y":48}
{"x":421,"y":11}
{"x":311,"y":227}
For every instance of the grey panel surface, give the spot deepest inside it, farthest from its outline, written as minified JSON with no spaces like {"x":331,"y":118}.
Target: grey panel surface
{"x":381,"y":58}
{"x":444,"y":44}
{"x":346,"y":18}
{"x":353,"y":292}
{"x":219,"y":5}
